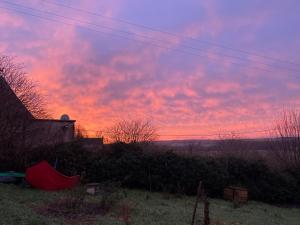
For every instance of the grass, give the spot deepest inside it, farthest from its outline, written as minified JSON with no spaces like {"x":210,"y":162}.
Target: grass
{"x":17,"y":207}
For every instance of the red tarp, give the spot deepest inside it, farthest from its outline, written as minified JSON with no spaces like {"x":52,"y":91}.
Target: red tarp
{"x":44,"y":176}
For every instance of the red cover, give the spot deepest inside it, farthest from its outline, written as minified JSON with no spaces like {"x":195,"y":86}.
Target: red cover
{"x":44,"y":176}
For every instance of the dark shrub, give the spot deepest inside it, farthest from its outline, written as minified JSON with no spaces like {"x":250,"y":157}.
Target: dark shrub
{"x":69,"y":158}
{"x":178,"y":174}
{"x":128,"y":165}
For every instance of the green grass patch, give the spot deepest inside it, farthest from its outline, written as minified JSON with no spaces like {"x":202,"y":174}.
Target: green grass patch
{"x":17,"y":207}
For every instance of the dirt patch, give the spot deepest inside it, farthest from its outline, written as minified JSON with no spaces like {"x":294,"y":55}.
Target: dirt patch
{"x":75,"y":208}
{"x":84,"y":213}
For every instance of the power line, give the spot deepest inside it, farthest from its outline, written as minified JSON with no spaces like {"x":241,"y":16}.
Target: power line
{"x":120,"y":36}
{"x":54,"y":21}
{"x":150,"y":38}
{"x":104,"y":32}
{"x":170,"y":33}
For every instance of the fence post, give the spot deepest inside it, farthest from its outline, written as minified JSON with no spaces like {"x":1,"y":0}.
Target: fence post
{"x":199,"y":191}
{"x":206,"y":212}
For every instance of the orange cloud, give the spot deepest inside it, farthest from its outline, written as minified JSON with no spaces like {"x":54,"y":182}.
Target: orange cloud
{"x":98,"y":80}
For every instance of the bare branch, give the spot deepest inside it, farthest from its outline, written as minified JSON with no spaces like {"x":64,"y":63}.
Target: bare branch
{"x":286,"y":142}
{"x":134,"y":131}
{"x":23,"y":87}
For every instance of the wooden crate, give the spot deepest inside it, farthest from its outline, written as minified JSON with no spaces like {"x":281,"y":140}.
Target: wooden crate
{"x":241,"y":195}
{"x":228,"y":193}
{"x":236,"y":194}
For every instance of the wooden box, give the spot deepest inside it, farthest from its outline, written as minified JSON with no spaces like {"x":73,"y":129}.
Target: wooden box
{"x":240,"y":195}
{"x":228,"y":193}
{"x":236,"y":194}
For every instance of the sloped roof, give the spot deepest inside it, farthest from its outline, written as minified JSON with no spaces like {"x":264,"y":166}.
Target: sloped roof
{"x":10,"y":101}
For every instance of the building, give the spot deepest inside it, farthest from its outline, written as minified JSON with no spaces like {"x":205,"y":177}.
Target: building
{"x":19,"y":127}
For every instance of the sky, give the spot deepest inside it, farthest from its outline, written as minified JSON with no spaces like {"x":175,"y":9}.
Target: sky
{"x":196,"y":69}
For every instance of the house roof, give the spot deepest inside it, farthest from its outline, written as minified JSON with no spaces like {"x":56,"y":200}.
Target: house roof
{"x":9,"y":99}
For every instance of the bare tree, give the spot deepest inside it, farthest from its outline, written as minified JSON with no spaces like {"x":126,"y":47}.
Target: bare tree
{"x":134,"y":131}
{"x":22,"y":86}
{"x":80,"y":132}
{"x":286,"y":138}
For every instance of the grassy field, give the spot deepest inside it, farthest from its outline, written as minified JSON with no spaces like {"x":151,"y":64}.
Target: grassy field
{"x":19,"y":207}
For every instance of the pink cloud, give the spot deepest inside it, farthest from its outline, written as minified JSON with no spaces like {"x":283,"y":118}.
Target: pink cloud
{"x":223,"y":87}
{"x":8,"y":20}
{"x":97,"y":87}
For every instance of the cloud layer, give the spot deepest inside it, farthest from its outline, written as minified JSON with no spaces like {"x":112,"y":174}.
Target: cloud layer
{"x":100,"y":70}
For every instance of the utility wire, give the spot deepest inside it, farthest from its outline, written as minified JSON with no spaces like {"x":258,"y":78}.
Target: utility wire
{"x":162,"y":134}
{"x":26,"y":13}
{"x":124,"y":37}
{"x":153,"y":39}
{"x":170,"y":33}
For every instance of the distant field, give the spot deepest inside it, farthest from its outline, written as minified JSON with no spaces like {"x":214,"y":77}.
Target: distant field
{"x":19,"y":207}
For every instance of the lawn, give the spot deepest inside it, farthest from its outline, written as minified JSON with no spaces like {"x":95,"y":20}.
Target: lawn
{"x":20,"y":207}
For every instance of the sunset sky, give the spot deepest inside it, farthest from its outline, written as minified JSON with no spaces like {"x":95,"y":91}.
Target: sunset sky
{"x":195,"y":68}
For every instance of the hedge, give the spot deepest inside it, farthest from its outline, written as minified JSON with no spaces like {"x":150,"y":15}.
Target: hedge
{"x":70,"y":158}
{"x":179,"y":174}
{"x":164,"y":171}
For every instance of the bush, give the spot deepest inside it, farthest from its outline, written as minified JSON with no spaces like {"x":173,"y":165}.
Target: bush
{"x":128,"y":165}
{"x":178,"y":174}
{"x":70,"y":158}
